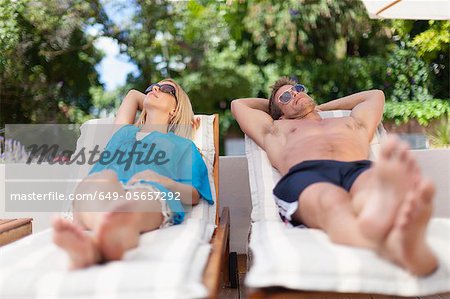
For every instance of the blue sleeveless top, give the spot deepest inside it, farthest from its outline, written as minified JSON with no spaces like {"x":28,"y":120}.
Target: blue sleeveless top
{"x":168,"y":154}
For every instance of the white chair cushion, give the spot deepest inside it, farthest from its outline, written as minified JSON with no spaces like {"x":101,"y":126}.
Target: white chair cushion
{"x":305,"y":259}
{"x":168,"y":263}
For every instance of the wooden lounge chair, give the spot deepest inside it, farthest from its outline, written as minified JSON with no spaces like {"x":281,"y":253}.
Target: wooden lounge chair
{"x":295,"y":263}
{"x":33,"y":266}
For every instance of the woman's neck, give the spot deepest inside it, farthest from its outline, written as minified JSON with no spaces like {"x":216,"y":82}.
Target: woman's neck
{"x":155,"y":122}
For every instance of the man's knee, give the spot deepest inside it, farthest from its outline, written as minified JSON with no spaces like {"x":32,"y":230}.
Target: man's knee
{"x":333,"y":199}
{"x":321,"y":201}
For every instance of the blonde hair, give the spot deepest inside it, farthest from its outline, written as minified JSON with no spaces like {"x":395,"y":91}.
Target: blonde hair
{"x":181,"y":122}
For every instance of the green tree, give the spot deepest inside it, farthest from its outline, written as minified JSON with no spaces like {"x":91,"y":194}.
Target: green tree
{"x":221,"y":50}
{"x":430,"y":40}
{"x":47,"y":62}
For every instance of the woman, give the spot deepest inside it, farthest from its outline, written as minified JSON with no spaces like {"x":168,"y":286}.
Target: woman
{"x":145,"y":194}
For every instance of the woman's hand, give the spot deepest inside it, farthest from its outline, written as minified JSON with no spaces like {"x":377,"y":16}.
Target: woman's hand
{"x":150,"y":175}
{"x":189,"y":195}
{"x":195,"y":123}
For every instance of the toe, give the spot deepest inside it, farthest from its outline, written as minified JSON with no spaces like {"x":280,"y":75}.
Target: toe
{"x":57,"y":223}
{"x":401,"y":152}
{"x":427,"y":190}
{"x":388,"y":146}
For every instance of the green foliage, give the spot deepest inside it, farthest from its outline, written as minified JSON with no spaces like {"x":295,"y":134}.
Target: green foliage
{"x":218,"y":51}
{"x":422,"y":111}
{"x":430,"y":40}
{"x":47,"y":62}
{"x":407,"y":76}
{"x":222,"y":50}
{"x":105,"y":102}
{"x":336,"y":79}
{"x":440,"y":135}
{"x":227,"y":122}
{"x":290,"y":31}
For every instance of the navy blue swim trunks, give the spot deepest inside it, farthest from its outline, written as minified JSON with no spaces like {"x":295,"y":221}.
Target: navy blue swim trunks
{"x":306,"y":173}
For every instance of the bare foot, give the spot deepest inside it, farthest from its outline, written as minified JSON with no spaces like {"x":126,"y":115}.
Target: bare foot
{"x":406,"y":244}
{"x":117,"y":233}
{"x":394,"y":175}
{"x":81,"y":248}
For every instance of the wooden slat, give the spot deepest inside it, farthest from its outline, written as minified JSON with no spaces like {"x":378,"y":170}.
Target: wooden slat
{"x":281,"y":293}
{"x":242,"y":263}
{"x":13,"y":223}
{"x":219,"y":245}
{"x":2,"y":221}
{"x":15,"y":233}
{"x":218,"y":258}
{"x":216,"y":163}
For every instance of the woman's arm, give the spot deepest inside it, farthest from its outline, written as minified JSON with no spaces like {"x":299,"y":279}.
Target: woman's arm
{"x":188,"y":194}
{"x":133,"y":101}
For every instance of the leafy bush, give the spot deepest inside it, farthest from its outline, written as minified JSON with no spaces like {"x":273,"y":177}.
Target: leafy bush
{"x":440,"y":136}
{"x":329,"y":81}
{"x":407,"y":75}
{"x":422,"y":111}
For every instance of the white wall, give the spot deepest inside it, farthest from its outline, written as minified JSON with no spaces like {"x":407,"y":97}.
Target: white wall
{"x":435,"y":164}
{"x":234,"y":192}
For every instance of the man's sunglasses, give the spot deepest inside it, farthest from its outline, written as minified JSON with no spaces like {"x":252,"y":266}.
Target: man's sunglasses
{"x":166,"y":88}
{"x":287,"y":96}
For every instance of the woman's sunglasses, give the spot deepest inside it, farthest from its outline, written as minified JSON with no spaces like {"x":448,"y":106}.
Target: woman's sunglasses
{"x":166,"y":88}
{"x":287,"y":96}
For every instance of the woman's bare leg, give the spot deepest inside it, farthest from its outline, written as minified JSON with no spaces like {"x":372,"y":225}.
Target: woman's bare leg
{"x":81,"y":248}
{"x":90,"y":212}
{"x":119,"y":230}
{"x":116,"y":226}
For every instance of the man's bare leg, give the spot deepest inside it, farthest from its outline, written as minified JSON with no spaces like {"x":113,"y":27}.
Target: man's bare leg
{"x":382,"y":193}
{"x":406,"y":244}
{"x":329,"y":208}
{"x":408,"y":207}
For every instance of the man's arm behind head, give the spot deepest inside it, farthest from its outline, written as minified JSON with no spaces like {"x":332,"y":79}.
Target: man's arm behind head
{"x":253,"y":118}
{"x":367,"y":108}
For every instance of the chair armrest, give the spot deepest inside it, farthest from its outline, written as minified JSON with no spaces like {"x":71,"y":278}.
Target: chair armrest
{"x":218,"y":258}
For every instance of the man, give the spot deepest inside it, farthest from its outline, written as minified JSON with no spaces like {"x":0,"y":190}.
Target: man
{"x":327,"y":182}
